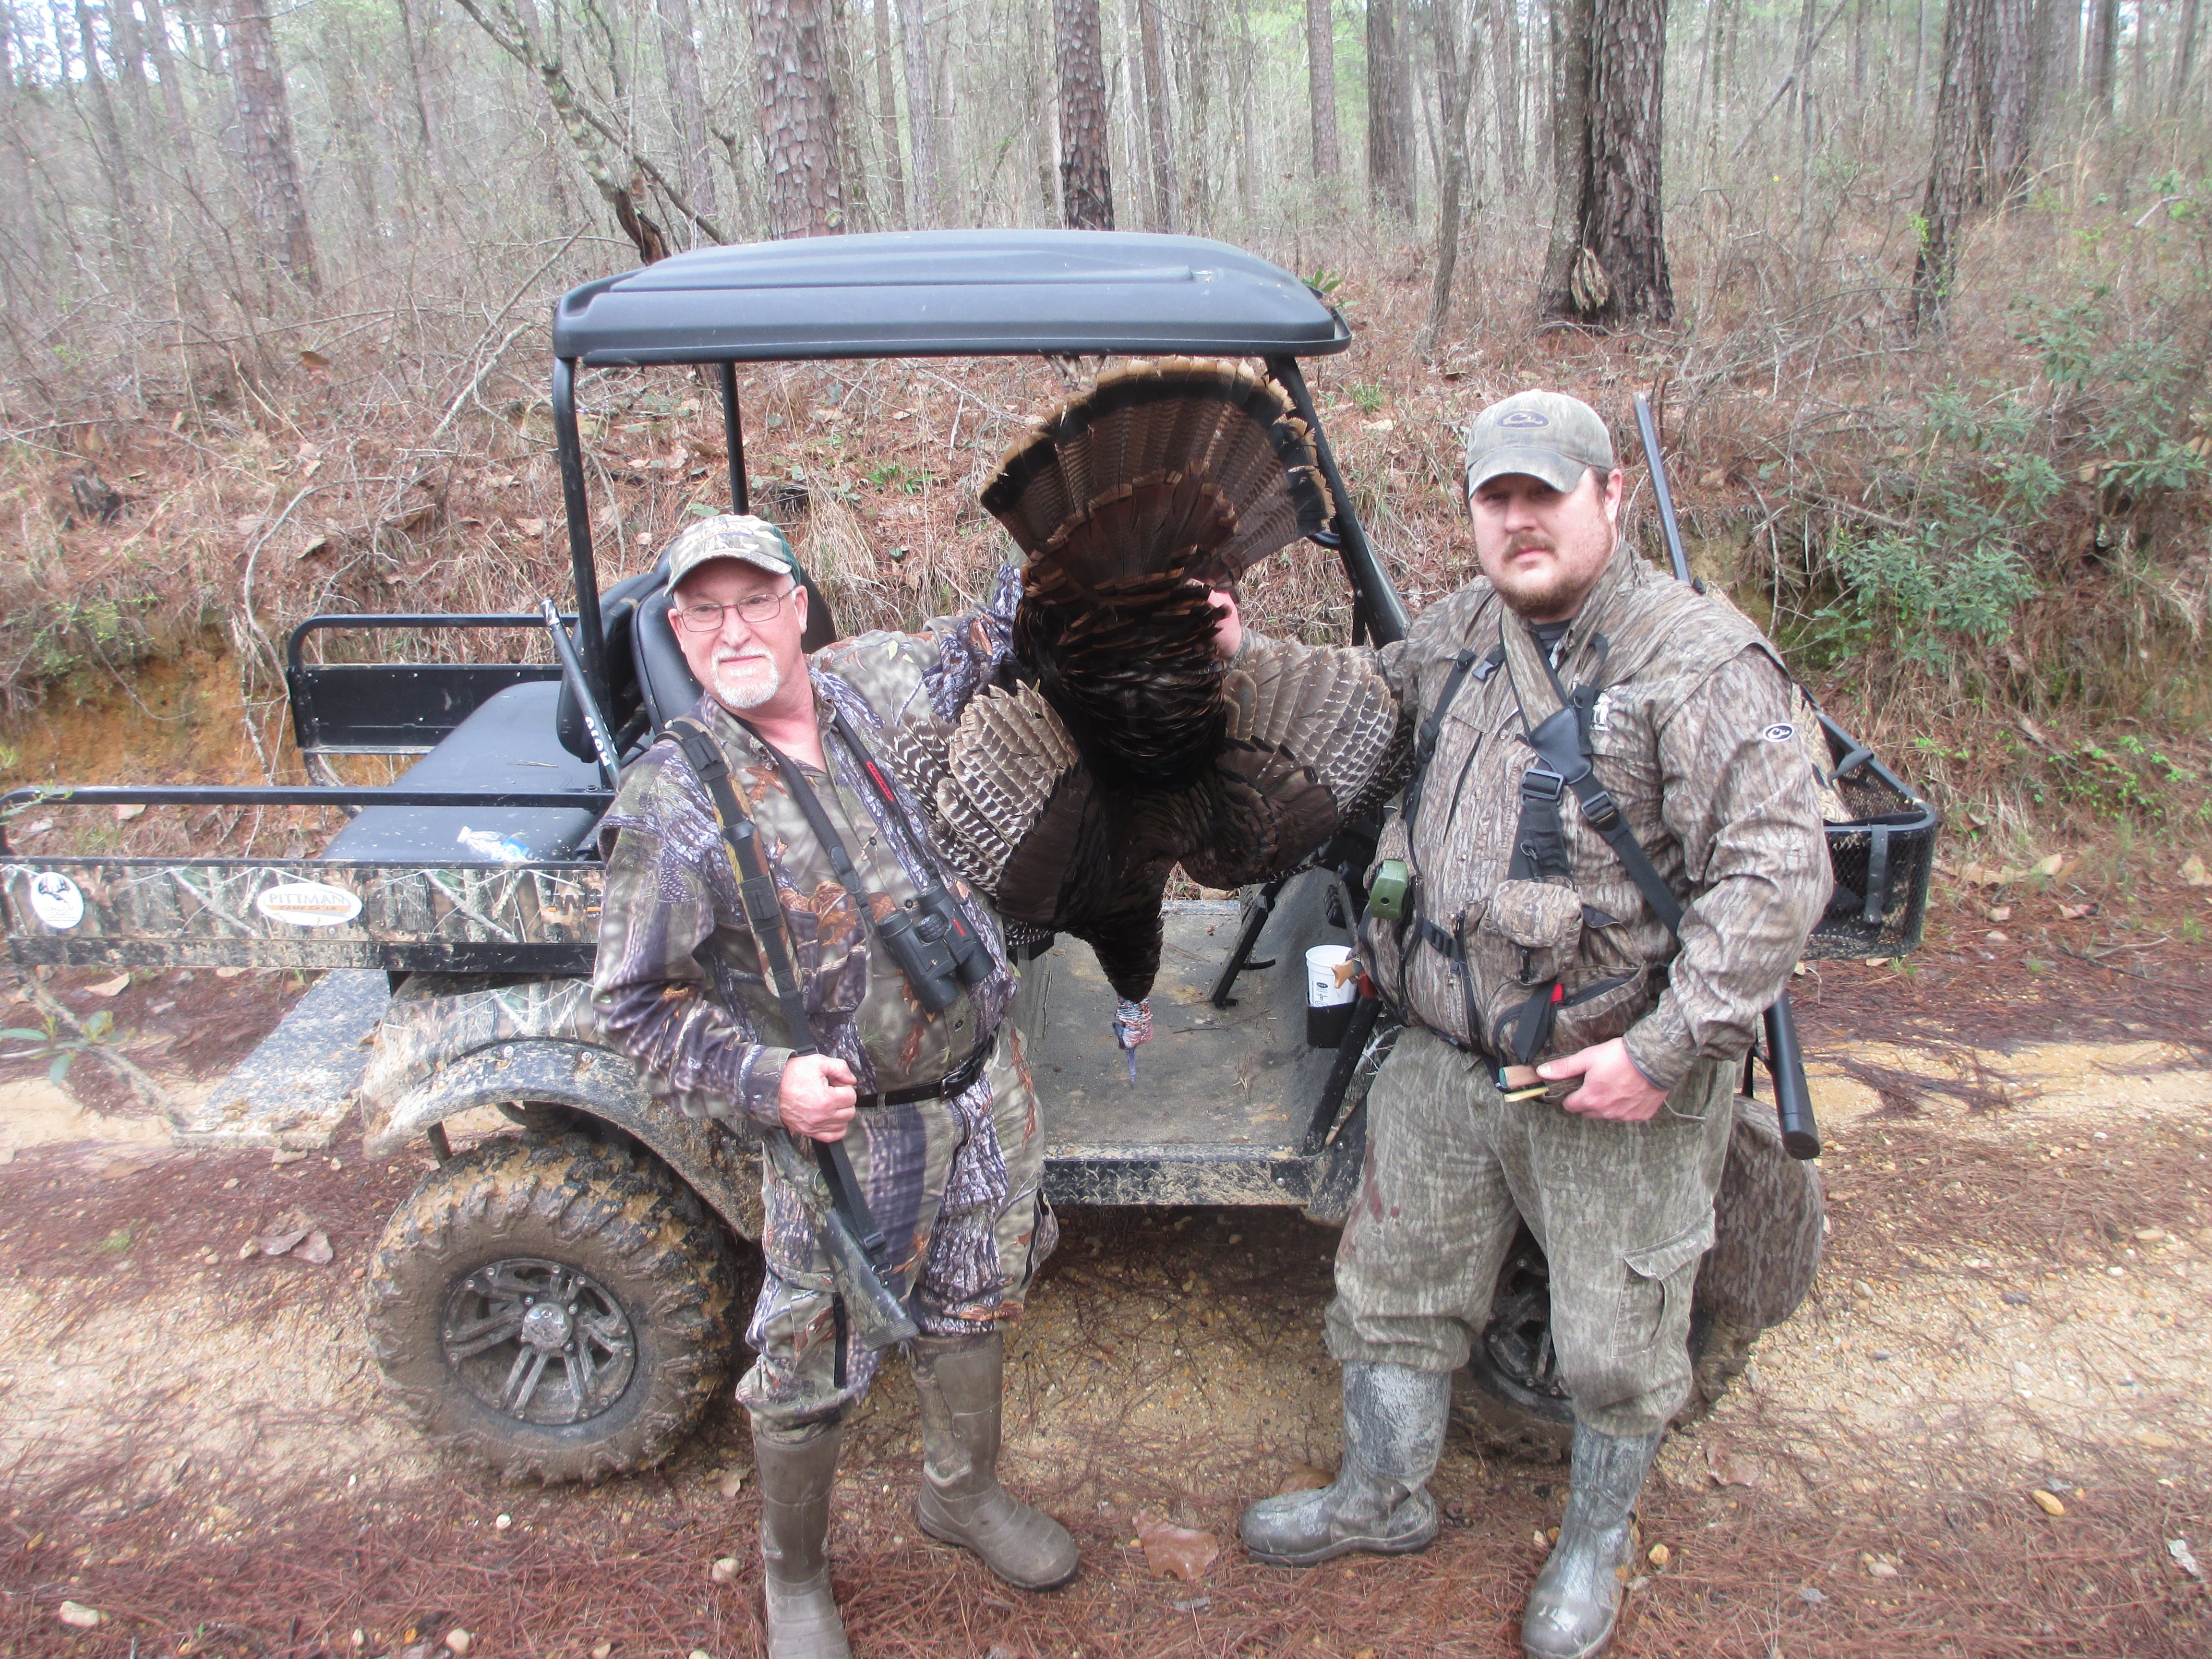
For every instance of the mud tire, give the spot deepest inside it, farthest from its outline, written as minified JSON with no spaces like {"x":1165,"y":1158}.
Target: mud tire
{"x":615,"y":1214}
{"x":1507,"y":1417}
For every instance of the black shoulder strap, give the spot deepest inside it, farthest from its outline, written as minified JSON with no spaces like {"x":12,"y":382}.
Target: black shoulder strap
{"x":764,"y":913}
{"x":1560,"y":737}
{"x":755,"y":887}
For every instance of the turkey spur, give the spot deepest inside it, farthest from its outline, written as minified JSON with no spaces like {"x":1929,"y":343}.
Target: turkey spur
{"x":1129,"y":745}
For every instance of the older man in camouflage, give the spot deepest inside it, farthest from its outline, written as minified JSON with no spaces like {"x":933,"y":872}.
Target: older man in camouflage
{"x":1568,"y":1063}
{"x":935,"y":1108}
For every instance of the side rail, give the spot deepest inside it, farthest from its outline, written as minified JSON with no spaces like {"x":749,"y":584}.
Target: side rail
{"x":526,"y":916}
{"x":395,"y":708}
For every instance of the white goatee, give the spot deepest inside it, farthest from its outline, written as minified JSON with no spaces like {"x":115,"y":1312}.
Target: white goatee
{"x":747,"y":683}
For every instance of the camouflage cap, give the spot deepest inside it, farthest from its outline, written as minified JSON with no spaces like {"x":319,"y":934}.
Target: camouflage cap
{"x":731,"y":536}
{"x":1545,"y":435}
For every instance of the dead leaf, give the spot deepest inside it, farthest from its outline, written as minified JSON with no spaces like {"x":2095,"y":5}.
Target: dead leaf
{"x":315,"y":1250}
{"x":1176,"y":1551}
{"x":2074,"y":912}
{"x":249,"y":524}
{"x":1304,"y":1477}
{"x":732,"y":1481}
{"x":314,"y":360}
{"x":77,"y":1616}
{"x":531,"y":527}
{"x":111,"y":987}
{"x":1730,"y":1468}
{"x":2049,"y":1504}
{"x":319,"y":545}
{"x":2193,"y":873}
{"x":38,"y":828}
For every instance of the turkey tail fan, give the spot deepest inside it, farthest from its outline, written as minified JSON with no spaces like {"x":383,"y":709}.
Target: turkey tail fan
{"x":1149,"y":427}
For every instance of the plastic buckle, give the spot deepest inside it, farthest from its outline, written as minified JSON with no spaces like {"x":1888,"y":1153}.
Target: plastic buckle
{"x":1538,"y":783}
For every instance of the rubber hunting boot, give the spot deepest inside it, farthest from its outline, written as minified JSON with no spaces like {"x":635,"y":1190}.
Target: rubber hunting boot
{"x":1576,"y":1600}
{"x":794,"y":1487}
{"x":1394,"y":1432}
{"x":959,"y":1380}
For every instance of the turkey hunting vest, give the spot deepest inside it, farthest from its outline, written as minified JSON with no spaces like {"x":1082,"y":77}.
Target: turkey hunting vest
{"x":1518,"y":937}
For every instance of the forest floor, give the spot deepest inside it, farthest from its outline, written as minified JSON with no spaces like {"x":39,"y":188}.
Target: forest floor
{"x":194,"y":1444}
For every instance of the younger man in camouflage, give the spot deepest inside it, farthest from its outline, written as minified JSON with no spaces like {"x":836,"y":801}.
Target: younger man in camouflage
{"x":1524,"y":938}
{"x":935,"y":1108}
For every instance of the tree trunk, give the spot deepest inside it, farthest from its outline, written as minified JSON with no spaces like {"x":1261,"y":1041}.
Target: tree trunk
{"x":2011,"y":95}
{"x":114,"y":153}
{"x":2184,"y":48}
{"x":1957,"y":175}
{"x":1611,"y":267}
{"x":414,"y":36}
{"x":687,"y":105}
{"x":896,"y":207}
{"x":1570,"y":22}
{"x":264,"y":119}
{"x":22,"y":231}
{"x":798,"y":118}
{"x":920,"y":111}
{"x":1320,"y":63}
{"x":1086,"y":176}
{"x":1389,"y":111}
{"x":847,"y":113}
{"x":1165,"y":197}
{"x":1454,"y":83}
{"x":2100,"y":70}
{"x":1505,"y":53}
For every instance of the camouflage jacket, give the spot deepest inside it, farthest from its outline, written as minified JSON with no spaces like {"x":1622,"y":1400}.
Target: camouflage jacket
{"x":1692,"y":734}
{"x":679,"y":980}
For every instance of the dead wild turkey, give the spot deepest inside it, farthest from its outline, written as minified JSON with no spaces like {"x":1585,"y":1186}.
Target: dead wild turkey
{"x":1129,"y":745}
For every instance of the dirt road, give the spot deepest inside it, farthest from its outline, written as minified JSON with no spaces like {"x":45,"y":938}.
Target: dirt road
{"x":2015,"y":1300}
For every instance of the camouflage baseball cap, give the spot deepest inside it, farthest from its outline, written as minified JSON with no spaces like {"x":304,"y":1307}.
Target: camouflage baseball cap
{"x":731,"y":536}
{"x":1545,"y":435}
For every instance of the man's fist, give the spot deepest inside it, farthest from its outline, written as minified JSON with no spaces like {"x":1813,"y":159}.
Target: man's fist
{"x":817,"y":1099}
{"x":1613,"y":1088}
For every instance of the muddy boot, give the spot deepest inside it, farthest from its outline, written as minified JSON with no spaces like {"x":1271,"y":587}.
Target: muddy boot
{"x":959,"y":1381}
{"x":1576,"y":1600}
{"x":1394,"y":1432}
{"x":794,"y":1487}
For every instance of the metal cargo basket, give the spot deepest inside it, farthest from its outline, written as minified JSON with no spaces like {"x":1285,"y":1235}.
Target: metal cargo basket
{"x":1883,"y":853}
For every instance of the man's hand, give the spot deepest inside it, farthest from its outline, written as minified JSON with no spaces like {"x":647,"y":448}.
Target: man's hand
{"x":1612,"y":1089}
{"x":1229,"y":632}
{"x":817,"y":1099}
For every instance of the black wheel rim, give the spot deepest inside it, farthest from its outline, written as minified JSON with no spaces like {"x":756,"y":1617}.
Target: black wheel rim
{"x":538,"y":1341}
{"x":1517,"y":1342}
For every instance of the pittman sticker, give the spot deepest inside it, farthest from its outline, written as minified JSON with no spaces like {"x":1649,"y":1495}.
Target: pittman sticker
{"x":56,"y":900}
{"x":1780,"y":732}
{"x":308,"y":905}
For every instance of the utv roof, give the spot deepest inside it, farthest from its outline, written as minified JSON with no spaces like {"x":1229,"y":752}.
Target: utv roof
{"x":947,"y":293}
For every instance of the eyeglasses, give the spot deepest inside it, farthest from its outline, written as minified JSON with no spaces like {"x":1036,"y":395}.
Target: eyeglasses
{"x":705,"y":616}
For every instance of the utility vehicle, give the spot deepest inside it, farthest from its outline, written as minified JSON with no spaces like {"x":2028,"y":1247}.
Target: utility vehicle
{"x":562,"y":1299}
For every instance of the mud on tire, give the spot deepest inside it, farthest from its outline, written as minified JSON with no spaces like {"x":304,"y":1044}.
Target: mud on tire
{"x":553,"y":1307}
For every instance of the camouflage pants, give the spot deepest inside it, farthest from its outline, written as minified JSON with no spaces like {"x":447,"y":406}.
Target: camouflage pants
{"x":956,"y":1187}
{"x":1623,"y":1210}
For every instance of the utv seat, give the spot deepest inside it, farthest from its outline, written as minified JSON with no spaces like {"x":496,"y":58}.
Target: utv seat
{"x":511,"y":742}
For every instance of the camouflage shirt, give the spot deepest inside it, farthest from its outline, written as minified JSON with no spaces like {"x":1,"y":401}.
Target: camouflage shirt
{"x":679,"y":979}
{"x":1692,"y":734}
